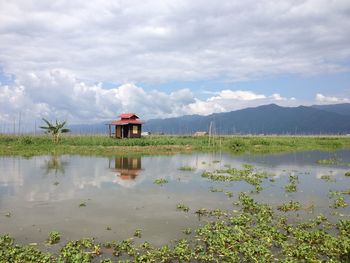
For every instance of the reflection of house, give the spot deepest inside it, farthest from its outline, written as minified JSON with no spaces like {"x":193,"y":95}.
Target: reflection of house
{"x":127,"y":127}
{"x":128,"y":167}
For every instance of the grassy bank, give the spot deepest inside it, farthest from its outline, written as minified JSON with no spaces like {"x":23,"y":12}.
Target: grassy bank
{"x":102,"y":145}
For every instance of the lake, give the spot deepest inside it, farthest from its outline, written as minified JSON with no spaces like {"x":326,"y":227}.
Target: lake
{"x":109,"y":198}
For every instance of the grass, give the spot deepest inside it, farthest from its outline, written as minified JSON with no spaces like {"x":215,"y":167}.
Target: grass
{"x":103,"y":145}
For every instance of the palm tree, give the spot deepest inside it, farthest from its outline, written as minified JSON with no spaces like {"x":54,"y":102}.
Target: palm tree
{"x":55,"y":130}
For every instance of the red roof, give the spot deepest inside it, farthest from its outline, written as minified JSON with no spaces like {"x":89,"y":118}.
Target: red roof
{"x":124,"y":122}
{"x":128,"y":115}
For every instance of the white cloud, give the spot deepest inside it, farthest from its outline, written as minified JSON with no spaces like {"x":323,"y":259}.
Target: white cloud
{"x":330,"y":99}
{"x":59,"y":94}
{"x":229,"y":100}
{"x":278,"y":97}
{"x":150,"y":41}
{"x":237,"y":95}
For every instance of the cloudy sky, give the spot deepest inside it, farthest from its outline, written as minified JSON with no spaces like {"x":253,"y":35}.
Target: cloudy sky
{"x":88,"y":61}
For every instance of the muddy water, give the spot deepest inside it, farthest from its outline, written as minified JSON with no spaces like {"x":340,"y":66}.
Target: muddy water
{"x":83,"y":196}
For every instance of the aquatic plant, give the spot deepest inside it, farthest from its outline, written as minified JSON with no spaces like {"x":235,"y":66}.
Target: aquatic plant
{"x":216,"y":190}
{"x":328,"y":161}
{"x":292,"y":185}
{"x":182,"y":207}
{"x":187,"y":231}
{"x":10,"y":252}
{"x":254,"y":234}
{"x":160,"y":181}
{"x":229,"y":194}
{"x":54,"y":237}
{"x":137,"y":233}
{"x":347,"y":173}
{"x":83,"y":250}
{"x":247,"y":174}
{"x":327,"y":178}
{"x":82,"y":204}
{"x":339,"y":202}
{"x":187,"y":168}
{"x":289,"y":206}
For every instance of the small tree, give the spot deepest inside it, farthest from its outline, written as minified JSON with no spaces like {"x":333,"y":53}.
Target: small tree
{"x":55,"y":130}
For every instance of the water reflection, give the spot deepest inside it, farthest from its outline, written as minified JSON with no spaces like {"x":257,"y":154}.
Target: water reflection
{"x":54,"y":165}
{"x":127,"y":170}
{"x":119,"y":192}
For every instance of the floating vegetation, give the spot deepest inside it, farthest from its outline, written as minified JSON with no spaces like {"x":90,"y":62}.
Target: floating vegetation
{"x":216,"y":190}
{"x":83,"y":250}
{"x":290,"y":206}
{"x":339,"y":202}
{"x":247,"y":174}
{"x":137,"y":233}
{"x":328,"y":161}
{"x":108,"y":228}
{"x":345,"y":192}
{"x":201,"y":212}
{"x":229,"y":194}
{"x":8,"y":214}
{"x":254,"y":234}
{"x":187,"y":168}
{"x":187,"y":231}
{"x":82,"y":204}
{"x":216,"y":161}
{"x":292,"y":185}
{"x":56,"y":183}
{"x":182,"y":207}
{"x":54,"y":237}
{"x":327,"y":178}
{"x":347,"y":173}
{"x":160,"y":181}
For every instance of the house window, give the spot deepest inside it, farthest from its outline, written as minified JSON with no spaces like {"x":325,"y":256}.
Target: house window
{"x":135,"y":129}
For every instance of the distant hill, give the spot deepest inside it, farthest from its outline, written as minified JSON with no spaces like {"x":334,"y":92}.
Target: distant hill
{"x":267,"y":119}
{"x":343,"y":108}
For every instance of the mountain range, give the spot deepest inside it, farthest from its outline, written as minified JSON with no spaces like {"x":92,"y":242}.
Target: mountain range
{"x":266,"y":119}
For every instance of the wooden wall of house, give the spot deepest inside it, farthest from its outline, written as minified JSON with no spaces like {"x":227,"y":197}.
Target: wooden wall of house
{"x":118,"y":131}
{"x":131,"y":131}
{"x":130,"y":134}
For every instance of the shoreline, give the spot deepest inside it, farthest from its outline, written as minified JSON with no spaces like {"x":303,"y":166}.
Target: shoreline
{"x":30,"y":145}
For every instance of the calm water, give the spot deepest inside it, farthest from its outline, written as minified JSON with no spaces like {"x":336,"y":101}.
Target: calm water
{"x":44,"y":193}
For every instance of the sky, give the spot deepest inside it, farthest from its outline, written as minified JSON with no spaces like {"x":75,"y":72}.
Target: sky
{"x":88,"y":61}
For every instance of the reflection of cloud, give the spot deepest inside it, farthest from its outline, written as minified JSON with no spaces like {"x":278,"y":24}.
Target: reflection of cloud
{"x":128,"y":183}
{"x":55,"y":165}
{"x":11,"y":171}
{"x":25,"y":178}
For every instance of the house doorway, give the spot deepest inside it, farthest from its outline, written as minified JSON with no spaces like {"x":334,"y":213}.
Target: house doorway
{"x":125,"y":131}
